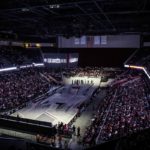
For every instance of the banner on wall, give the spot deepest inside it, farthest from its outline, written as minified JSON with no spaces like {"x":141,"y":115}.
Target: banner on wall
{"x":83,"y":40}
{"x":104,"y":40}
{"x":90,"y":41}
{"x":77,"y":41}
{"x":97,"y":40}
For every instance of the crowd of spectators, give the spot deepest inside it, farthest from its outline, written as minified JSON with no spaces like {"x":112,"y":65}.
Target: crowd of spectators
{"x":19,"y":87}
{"x":129,"y":111}
{"x":90,"y":72}
{"x":139,"y":140}
{"x":95,"y":72}
{"x":52,"y":75}
{"x":17,"y":56}
{"x":125,"y":110}
{"x":92,"y":131}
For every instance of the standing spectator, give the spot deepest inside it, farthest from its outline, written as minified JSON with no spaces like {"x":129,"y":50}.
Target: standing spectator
{"x":74,"y":129}
{"x":60,"y":141}
{"x":78,"y":131}
{"x":65,"y":145}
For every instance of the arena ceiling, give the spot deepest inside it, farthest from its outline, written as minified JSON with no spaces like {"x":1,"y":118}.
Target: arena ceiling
{"x":74,"y":17}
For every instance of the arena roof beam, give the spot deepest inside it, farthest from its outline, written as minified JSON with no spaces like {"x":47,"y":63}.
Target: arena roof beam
{"x":91,"y":16}
{"x":101,"y":11}
{"x":107,"y":13}
{"x":50,"y":10}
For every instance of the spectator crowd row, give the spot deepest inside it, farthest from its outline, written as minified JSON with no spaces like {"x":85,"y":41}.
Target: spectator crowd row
{"x":19,"y":87}
{"x":125,"y":110}
{"x":17,"y":56}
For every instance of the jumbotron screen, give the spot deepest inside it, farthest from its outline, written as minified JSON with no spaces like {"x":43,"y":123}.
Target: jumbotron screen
{"x":61,"y":59}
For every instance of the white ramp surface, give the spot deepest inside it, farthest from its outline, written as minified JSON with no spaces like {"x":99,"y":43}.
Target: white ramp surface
{"x":60,"y":107}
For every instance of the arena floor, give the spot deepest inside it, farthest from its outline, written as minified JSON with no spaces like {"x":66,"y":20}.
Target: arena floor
{"x":60,"y":107}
